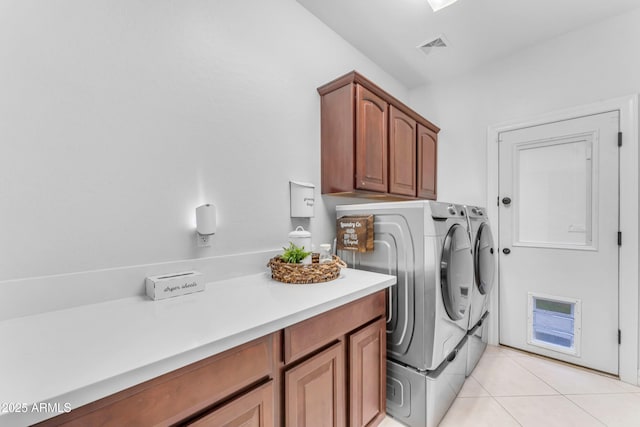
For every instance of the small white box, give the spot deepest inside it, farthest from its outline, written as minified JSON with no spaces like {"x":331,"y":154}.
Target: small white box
{"x":173,"y":285}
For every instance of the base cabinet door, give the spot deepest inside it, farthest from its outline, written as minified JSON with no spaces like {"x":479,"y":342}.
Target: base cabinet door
{"x":315,"y":391}
{"x":253,"y":409}
{"x":367,"y":372}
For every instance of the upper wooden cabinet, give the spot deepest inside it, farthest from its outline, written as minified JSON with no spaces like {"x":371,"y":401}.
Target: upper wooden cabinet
{"x":372,"y":163}
{"x":402,"y":153}
{"x":427,"y":165}
{"x":373,"y":145}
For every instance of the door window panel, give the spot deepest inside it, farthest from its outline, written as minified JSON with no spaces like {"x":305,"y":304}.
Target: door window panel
{"x":554,"y":196}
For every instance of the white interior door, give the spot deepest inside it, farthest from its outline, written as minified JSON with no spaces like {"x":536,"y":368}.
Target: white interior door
{"x":558,"y":228}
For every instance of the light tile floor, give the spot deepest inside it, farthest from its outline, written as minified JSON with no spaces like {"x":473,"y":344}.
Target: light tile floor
{"x":511,"y":388}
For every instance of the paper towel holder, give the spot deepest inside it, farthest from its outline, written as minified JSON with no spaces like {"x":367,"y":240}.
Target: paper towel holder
{"x":302,"y":199}
{"x":205,"y":223}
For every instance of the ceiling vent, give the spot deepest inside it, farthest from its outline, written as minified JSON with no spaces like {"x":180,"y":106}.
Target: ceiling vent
{"x":437,"y":42}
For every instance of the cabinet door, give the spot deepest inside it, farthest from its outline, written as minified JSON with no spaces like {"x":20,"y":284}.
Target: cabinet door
{"x":253,"y":409}
{"x":314,"y":391}
{"x":371,"y":141}
{"x":402,"y":153}
{"x":367,"y":375}
{"x":427,"y":161}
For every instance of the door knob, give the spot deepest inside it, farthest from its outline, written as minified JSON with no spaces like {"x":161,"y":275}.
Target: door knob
{"x":506,"y":251}
{"x":506,"y":201}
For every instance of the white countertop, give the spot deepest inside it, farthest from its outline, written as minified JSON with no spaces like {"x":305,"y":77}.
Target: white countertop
{"x":82,"y":354}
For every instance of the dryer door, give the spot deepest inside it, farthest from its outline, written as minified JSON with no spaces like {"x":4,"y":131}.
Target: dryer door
{"x":484,"y":261}
{"x":456,"y":272}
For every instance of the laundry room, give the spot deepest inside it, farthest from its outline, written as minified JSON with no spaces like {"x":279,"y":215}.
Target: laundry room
{"x":174,"y":177}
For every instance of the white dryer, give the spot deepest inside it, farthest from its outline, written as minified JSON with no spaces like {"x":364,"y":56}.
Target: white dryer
{"x":426,"y":246}
{"x":484,"y":277}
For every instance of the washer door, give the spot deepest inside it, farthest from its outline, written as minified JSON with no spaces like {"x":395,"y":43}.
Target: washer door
{"x":456,"y":272}
{"x":484,"y":262}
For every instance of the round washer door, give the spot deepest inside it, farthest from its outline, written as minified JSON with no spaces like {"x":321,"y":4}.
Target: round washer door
{"x":456,"y":272}
{"x":484,"y":263}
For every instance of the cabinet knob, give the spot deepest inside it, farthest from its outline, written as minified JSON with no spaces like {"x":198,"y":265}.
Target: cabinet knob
{"x":506,"y":201}
{"x":506,"y":251}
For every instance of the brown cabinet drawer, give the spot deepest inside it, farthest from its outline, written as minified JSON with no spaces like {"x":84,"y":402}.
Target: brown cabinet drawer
{"x":312,"y":334}
{"x":252,"y":409}
{"x":179,"y":394}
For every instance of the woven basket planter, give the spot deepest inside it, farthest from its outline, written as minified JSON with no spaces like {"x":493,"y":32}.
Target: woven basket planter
{"x":303,"y":274}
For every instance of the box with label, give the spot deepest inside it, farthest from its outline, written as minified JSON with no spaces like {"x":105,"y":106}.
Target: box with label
{"x":173,"y":285}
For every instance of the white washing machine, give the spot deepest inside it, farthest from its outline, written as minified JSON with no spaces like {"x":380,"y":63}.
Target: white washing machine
{"x":484,"y":277}
{"x":426,"y":246}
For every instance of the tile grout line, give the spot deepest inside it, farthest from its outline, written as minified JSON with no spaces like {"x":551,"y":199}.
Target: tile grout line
{"x":502,"y":406}
{"x":507,"y":356}
{"x":507,"y":411}
{"x":480,"y":384}
{"x":579,"y":370}
{"x":514,"y":358}
{"x":521,"y":364}
{"x":585,"y":411}
{"x":533,"y":373}
{"x":495,"y":400}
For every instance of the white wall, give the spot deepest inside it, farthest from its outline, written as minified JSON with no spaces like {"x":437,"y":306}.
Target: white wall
{"x":594,"y":63}
{"x":119,"y":117}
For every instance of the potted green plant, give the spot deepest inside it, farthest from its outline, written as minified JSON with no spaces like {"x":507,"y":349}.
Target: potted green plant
{"x":294,"y":254}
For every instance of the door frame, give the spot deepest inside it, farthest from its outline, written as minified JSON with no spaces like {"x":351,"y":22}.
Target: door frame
{"x":629,"y":302}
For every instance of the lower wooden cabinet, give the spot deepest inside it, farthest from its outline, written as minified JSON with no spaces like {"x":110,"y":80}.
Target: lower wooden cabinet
{"x":182,"y":394}
{"x":253,"y":409}
{"x":326,"y":371}
{"x":314,"y":390}
{"x":343,"y":349}
{"x":367,"y":375}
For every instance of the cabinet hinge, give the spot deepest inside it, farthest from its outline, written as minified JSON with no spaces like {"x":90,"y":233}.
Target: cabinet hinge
{"x":619,"y":139}
{"x":619,"y":336}
{"x":619,"y":238}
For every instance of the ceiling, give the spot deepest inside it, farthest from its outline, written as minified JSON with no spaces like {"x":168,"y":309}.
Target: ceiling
{"x":477,"y":31}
